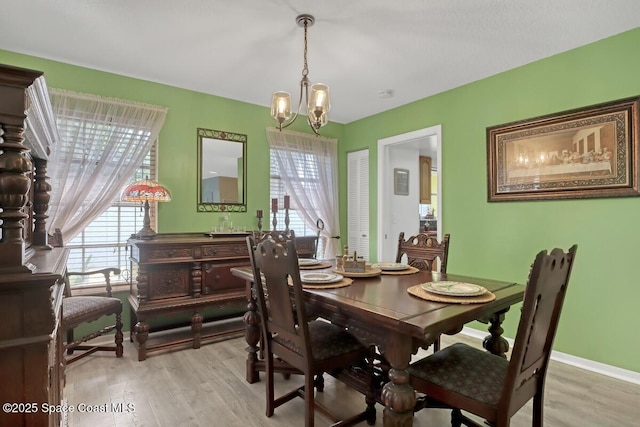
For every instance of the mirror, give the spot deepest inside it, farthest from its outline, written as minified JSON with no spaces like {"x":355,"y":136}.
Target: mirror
{"x":222,"y":171}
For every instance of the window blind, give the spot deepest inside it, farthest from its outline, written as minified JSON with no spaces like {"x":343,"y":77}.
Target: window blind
{"x":102,"y":243}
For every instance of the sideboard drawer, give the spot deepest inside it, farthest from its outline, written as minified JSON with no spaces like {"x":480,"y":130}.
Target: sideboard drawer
{"x":169,"y":253}
{"x":225,"y":250}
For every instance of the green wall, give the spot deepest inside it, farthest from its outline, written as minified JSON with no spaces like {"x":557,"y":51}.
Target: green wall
{"x":497,"y":240}
{"x":177,"y":157}
{"x":500,"y":240}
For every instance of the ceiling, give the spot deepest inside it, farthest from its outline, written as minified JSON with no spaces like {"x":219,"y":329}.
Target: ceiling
{"x":246,"y":49}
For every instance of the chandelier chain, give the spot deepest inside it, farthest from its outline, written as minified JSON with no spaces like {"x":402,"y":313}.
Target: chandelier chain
{"x":305,"y":68}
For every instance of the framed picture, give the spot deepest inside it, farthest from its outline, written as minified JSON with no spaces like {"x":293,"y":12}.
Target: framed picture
{"x":583,"y":153}
{"x":401,"y":182}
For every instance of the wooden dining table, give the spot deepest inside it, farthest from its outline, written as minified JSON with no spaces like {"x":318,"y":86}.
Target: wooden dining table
{"x":380,"y":311}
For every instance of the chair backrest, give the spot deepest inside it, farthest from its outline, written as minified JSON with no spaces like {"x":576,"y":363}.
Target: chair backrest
{"x":424,"y":251}
{"x":305,"y":245}
{"x":279,"y":236}
{"x":276,"y":275}
{"x":543,"y":300}
{"x":56,"y":241}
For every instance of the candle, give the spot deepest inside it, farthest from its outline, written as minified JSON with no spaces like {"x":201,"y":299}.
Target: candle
{"x":286,"y":202}
{"x":259,"y":213}
{"x":274,"y":205}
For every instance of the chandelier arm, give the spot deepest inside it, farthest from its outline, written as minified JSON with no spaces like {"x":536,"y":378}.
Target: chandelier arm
{"x":304,"y":87}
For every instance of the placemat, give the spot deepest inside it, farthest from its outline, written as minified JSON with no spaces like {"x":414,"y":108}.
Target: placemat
{"x":410,"y":270}
{"x":344,"y":282}
{"x":316,"y":267}
{"x":421,"y":293}
{"x":370,"y":272}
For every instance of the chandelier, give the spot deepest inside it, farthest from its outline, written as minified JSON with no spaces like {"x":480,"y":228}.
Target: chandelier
{"x":318,"y":104}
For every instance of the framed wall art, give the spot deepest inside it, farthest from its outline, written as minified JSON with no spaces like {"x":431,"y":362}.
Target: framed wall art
{"x":401,"y":182}
{"x":583,"y":153}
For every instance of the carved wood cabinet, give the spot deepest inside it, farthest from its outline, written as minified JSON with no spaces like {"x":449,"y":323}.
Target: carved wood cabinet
{"x":186,"y":273}
{"x":31,"y":272}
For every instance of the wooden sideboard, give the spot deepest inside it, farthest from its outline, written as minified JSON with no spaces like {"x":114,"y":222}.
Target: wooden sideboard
{"x":31,"y":272}
{"x":31,"y":341}
{"x":187,"y":273}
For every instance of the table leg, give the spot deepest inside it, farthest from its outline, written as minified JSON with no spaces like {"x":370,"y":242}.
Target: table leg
{"x":252,"y":336}
{"x":398,"y":395}
{"x":495,"y":343}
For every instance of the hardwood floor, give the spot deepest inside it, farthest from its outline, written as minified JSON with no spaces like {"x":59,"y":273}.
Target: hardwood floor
{"x":206,"y":387}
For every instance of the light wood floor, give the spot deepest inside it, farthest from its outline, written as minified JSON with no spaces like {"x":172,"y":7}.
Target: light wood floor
{"x":206,"y":387}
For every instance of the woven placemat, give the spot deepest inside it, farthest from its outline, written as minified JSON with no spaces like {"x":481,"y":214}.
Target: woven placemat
{"x":344,"y":282}
{"x":316,"y":267}
{"x":421,"y":293}
{"x":410,"y":270}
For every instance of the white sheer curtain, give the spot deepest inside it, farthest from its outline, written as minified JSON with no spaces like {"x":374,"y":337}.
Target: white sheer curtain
{"x":309,"y":171}
{"x":40,"y":133}
{"x":102,"y":142}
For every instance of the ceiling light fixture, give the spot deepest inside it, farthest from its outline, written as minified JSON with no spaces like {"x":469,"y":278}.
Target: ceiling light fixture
{"x":318,"y":104}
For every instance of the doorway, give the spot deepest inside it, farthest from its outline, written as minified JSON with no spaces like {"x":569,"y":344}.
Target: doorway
{"x":399,"y":212}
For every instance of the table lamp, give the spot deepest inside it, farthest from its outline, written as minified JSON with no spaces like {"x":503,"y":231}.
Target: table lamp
{"x":146,"y":191}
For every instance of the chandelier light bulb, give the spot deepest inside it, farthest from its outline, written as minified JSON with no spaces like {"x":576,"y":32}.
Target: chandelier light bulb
{"x":281,"y":107}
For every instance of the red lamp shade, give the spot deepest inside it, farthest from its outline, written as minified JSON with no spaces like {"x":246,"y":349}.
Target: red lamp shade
{"x":146,"y":191}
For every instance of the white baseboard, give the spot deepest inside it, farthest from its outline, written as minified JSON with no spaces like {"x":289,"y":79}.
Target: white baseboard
{"x":589,"y":365}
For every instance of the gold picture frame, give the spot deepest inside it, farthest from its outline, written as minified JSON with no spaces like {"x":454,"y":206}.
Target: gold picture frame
{"x":582,"y":153}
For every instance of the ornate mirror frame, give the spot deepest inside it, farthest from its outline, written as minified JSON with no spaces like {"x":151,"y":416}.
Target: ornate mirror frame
{"x":222,"y":154}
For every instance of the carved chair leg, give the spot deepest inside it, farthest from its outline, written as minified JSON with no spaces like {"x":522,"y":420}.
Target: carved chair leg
{"x":119,"y":336}
{"x":456,"y":418}
{"x":319,"y":383}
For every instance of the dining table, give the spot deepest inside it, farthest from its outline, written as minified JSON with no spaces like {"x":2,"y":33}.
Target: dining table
{"x":383,"y":310}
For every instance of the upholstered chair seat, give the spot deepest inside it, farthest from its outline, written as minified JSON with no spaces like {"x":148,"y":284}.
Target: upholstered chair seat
{"x":465,"y":371}
{"x":81,"y":309}
{"x":327,"y":341}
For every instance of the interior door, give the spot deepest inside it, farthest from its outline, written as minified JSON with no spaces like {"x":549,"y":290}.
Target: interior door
{"x":358,"y":202}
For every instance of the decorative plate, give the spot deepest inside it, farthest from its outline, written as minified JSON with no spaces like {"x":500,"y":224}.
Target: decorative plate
{"x":458,"y":289}
{"x":308,"y":261}
{"x":390,"y":266}
{"x":320,"y":277}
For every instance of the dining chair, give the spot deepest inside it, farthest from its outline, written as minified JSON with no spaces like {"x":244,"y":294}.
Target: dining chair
{"x":84,"y":309}
{"x":305,"y":245}
{"x":464,"y":378}
{"x":423,"y":252}
{"x":291,"y":339}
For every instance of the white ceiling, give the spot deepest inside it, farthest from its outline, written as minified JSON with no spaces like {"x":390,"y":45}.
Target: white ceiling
{"x":246,"y":49}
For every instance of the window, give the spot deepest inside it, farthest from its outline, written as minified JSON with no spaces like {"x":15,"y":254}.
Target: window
{"x":102,"y":243}
{"x":103,"y":142}
{"x":277,"y":191}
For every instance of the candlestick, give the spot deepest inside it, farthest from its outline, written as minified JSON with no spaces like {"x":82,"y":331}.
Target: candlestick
{"x":286,"y":201}
{"x":286,"y":218}
{"x":259,"y":213}
{"x":274,"y":205}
